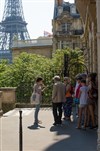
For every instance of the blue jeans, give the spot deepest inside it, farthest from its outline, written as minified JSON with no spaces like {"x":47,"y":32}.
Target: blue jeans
{"x":37,"y":108}
{"x":76,"y":101}
{"x":68,"y":109}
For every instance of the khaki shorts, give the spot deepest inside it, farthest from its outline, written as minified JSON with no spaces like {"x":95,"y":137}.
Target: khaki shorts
{"x":82,"y":105}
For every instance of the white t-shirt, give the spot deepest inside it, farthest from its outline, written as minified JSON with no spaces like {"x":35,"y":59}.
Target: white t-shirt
{"x":38,"y":89}
{"x":84,"y":95}
{"x":76,"y":87}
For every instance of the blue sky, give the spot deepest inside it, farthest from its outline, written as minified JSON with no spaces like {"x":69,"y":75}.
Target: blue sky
{"x":38,"y":14}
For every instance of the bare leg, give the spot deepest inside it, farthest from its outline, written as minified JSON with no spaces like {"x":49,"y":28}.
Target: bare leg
{"x":85,"y":116}
{"x":80,"y":118}
{"x":88,"y":116}
{"x":91,"y":110}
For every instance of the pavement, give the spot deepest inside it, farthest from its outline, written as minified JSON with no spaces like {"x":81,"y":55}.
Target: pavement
{"x":45,"y":137}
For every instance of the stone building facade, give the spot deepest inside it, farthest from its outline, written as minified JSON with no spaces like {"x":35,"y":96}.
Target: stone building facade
{"x":87,"y":11}
{"x":41,"y":46}
{"x":90,"y":13}
{"x":67,"y":26}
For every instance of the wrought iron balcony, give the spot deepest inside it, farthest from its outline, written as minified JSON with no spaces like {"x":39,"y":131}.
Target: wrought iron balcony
{"x":61,"y":33}
{"x":78,"y":32}
{"x":71,"y":32}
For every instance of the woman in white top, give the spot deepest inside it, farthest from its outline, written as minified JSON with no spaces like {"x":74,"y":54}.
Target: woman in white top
{"x":83,"y":98}
{"x":38,"y":88}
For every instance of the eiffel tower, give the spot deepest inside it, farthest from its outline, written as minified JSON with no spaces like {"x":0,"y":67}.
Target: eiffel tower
{"x":12,"y":26}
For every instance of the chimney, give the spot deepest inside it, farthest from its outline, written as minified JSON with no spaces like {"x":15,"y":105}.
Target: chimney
{"x":60,"y":2}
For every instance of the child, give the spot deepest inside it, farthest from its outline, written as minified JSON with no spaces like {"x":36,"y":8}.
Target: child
{"x":83,"y":96}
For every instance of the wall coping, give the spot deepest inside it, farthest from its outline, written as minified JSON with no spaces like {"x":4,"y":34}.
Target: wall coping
{"x":7,"y":88}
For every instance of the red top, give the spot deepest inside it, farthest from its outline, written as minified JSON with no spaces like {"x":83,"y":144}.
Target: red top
{"x":77,"y":91}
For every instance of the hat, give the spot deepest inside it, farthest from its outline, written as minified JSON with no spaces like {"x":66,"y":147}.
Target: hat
{"x":66,"y":78}
{"x":56,"y":77}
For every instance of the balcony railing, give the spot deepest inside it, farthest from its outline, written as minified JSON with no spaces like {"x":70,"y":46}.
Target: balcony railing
{"x":71,"y":32}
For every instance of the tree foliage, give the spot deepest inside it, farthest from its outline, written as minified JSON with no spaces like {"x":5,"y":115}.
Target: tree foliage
{"x":23,"y":71}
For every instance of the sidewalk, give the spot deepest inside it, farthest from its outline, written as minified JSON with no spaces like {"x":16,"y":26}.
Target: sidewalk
{"x":46,"y":137}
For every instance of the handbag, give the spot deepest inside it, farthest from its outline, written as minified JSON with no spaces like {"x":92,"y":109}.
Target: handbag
{"x":35,"y":98}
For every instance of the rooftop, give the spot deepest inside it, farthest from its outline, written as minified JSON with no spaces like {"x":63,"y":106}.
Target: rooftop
{"x":66,"y":7}
{"x":43,"y":41}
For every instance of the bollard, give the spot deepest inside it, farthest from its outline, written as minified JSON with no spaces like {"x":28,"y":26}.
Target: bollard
{"x":20,"y":132}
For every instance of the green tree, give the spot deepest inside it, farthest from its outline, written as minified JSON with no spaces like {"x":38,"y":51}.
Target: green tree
{"x":23,"y":71}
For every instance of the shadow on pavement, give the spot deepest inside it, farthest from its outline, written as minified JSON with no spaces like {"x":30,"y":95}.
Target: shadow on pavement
{"x":73,"y":139}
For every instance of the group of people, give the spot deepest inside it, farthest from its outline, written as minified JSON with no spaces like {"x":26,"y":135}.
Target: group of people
{"x":83,"y":95}
{"x":86,"y":96}
{"x":62,"y":99}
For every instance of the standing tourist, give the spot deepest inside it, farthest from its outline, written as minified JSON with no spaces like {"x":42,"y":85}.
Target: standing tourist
{"x":37,"y":90}
{"x":83,"y":97}
{"x":92,"y":100}
{"x":58,"y":97}
{"x":69,"y":99}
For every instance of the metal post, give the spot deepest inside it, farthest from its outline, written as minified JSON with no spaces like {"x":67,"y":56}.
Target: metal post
{"x":65,"y":65}
{"x":20,"y":132}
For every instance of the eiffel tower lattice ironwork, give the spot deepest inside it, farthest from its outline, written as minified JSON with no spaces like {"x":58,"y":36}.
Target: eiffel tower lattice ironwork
{"x":13,"y":25}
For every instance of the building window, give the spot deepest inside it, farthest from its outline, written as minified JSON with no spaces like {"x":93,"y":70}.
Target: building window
{"x":66,"y":27}
{"x":60,"y":10}
{"x":59,"y":44}
{"x":73,"y":9}
{"x":65,"y":44}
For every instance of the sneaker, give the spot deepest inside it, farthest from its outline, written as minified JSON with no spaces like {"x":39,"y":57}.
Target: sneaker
{"x":64,"y":118}
{"x":68,"y":118}
{"x":84,"y":127}
{"x":78,"y":127}
{"x":93,"y":127}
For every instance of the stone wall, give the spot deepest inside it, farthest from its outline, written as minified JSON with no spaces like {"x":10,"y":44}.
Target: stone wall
{"x":1,"y":112}
{"x":42,"y":50}
{"x":41,"y":46}
{"x":7,"y":98}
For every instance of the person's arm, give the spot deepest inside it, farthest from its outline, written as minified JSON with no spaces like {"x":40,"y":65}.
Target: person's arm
{"x":90,"y":92}
{"x":34,"y":88}
{"x":79,"y":95}
{"x":43,"y":88}
{"x":54,"y":92}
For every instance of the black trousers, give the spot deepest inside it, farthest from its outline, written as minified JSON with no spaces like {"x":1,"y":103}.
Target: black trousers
{"x":57,"y":112}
